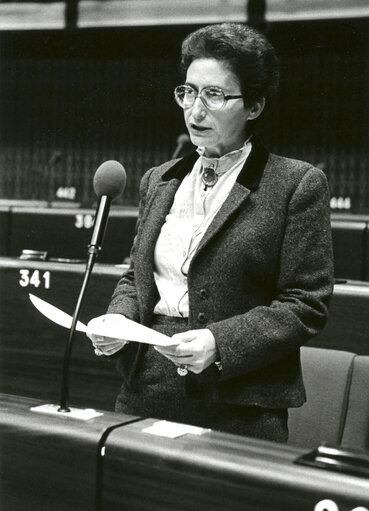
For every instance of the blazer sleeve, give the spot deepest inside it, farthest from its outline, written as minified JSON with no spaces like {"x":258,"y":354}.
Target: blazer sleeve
{"x":124,"y":300}
{"x":299,"y":309}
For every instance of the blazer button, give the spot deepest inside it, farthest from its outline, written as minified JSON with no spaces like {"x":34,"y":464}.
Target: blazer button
{"x":201,"y":317}
{"x":204,"y":294}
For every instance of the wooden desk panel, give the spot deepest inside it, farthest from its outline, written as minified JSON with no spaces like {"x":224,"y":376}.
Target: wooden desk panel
{"x":348,"y":324}
{"x":216,"y":472}
{"x":50,"y":463}
{"x":366,"y":255}
{"x":349,"y":239}
{"x":32,"y":347}
{"x":4,"y":230}
{"x":66,"y":233}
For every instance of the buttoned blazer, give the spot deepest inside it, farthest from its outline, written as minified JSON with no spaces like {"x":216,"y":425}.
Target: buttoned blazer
{"x":260,"y":279}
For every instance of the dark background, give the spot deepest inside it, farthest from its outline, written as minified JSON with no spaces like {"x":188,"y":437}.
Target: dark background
{"x":72,"y":99}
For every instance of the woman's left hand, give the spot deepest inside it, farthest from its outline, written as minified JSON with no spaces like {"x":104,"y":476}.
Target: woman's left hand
{"x":196,"y":349}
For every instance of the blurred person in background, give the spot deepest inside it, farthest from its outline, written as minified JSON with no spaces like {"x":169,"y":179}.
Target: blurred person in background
{"x":232,"y":256}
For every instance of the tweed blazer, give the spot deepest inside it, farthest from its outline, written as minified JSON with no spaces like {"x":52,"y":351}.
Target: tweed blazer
{"x":260,"y":279}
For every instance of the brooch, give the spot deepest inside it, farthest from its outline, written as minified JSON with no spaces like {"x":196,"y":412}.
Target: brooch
{"x":209,"y":177}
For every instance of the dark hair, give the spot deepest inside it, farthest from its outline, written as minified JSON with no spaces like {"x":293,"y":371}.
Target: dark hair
{"x":247,"y":52}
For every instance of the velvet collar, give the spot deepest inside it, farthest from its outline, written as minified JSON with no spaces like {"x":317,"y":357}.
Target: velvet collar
{"x":249,"y":176}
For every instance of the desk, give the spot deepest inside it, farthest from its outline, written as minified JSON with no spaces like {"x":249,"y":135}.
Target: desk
{"x":50,"y":463}
{"x":32,"y":347}
{"x":111,"y":463}
{"x":350,"y":242}
{"x":216,"y":472}
{"x":4,"y":230}
{"x":66,"y":232}
{"x":348,"y":325}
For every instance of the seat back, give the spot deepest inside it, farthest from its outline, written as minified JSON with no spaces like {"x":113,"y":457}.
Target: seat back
{"x":356,"y":430}
{"x":327,"y":377}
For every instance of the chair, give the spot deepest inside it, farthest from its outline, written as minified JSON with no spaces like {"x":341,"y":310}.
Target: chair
{"x":327,"y":376}
{"x":356,"y":428}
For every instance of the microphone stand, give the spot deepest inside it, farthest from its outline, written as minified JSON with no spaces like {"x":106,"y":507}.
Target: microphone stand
{"x":64,"y":388}
{"x":93,"y":250}
{"x":109,"y":183}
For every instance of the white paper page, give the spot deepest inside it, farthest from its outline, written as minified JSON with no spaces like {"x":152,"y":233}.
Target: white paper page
{"x":117,"y":326}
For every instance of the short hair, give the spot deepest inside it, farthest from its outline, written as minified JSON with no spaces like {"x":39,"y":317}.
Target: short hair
{"x":247,"y":52}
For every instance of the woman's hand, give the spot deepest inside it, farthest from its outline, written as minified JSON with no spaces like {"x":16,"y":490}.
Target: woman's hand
{"x":195,"y":348}
{"x":103,"y":344}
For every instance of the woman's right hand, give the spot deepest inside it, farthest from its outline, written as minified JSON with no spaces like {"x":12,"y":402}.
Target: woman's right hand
{"x":103,"y":344}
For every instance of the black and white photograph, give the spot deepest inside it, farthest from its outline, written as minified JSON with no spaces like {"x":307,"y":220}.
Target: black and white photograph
{"x":184,"y":255}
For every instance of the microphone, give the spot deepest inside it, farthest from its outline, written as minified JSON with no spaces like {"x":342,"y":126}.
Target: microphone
{"x":109,"y":183}
{"x":182,"y":141}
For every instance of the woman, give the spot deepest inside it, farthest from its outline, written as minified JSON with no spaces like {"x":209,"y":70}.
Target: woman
{"x":232,"y":256}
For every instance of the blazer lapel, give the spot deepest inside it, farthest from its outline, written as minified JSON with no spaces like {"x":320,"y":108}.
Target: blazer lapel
{"x":234,"y":200}
{"x":248,"y":181}
{"x":160,"y":204}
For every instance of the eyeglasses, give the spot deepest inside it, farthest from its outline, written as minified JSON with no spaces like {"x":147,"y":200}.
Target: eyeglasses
{"x":212,"y":97}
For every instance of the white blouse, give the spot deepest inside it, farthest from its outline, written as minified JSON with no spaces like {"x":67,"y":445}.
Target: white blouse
{"x":193,"y":209}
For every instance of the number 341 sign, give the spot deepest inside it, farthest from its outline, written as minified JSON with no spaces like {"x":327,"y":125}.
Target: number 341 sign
{"x":35,"y":278}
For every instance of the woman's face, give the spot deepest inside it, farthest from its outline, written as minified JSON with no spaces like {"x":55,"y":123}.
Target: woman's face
{"x":219,"y":131}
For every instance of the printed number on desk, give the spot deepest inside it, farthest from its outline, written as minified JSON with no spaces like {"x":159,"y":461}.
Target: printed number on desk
{"x":84,"y":221}
{"x":66,"y":192}
{"x":330,"y":505}
{"x":34,"y":278}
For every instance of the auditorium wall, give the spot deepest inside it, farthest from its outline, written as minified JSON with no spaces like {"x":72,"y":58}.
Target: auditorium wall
{"x":71,"y":99}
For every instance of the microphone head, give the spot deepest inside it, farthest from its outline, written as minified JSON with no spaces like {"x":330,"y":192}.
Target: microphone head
{"x":110,"y":179}
{"x":183,"y":139}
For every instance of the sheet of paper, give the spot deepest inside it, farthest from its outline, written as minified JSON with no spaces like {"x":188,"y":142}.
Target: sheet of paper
{"x":173,"y":429}
{"x":117,"y":326}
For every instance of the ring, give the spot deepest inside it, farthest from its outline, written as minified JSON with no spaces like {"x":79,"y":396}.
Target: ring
{"x":182,"y":370}
{"x":98,"y":352}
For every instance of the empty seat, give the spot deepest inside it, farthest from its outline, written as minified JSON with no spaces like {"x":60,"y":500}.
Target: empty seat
{"x":356,"y":430}
{"x":327,"y":376}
